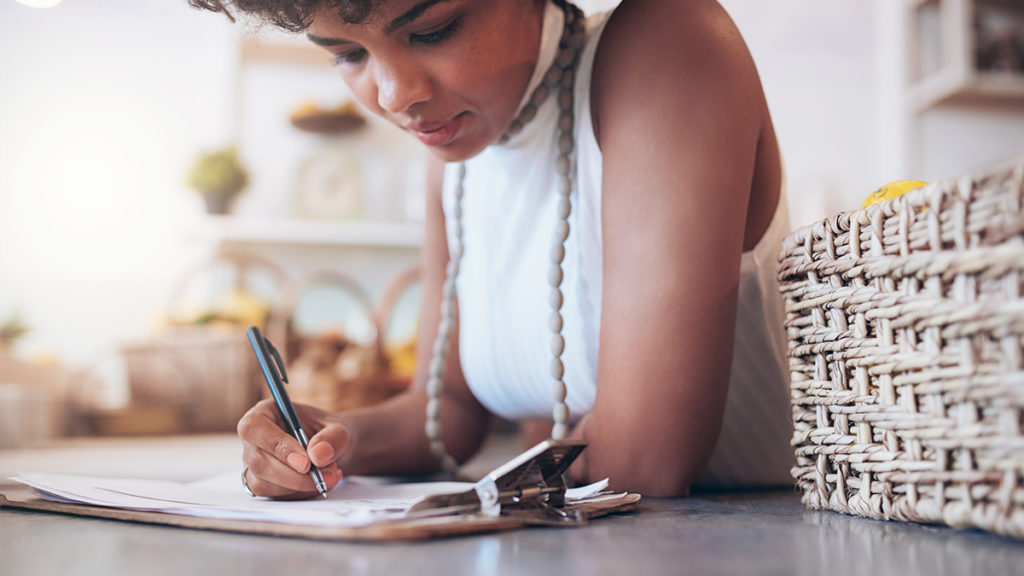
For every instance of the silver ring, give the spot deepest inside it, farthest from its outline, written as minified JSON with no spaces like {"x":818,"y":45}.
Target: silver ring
{"x":245,"y":484}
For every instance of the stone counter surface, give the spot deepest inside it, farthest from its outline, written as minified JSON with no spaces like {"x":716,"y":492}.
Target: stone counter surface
{"x":720,"y":533}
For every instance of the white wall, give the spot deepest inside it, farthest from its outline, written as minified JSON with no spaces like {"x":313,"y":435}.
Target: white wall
{"x":815,"y":62}
{"x":104,"y":104}
{"x":102,"y":107}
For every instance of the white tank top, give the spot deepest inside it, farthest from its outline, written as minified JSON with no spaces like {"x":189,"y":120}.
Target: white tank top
{"x":509,"y":217}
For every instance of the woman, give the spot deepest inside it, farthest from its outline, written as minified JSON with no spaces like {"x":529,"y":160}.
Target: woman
{"x":640,"y":140}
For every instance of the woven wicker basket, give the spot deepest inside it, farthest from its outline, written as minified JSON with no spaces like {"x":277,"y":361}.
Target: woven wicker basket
{"x":332,"y":371}
{"x":905,"y":322}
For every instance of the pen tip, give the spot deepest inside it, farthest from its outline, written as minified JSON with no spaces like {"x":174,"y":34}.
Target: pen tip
{"x":324,"y":494}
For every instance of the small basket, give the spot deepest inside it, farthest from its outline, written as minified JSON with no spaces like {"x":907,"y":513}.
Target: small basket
{"x":199,"y":378}
{"x":337,"y":371}
{"x":905,"y":322}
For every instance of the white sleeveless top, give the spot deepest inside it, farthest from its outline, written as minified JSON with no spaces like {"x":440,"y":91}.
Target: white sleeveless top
{"x":509,"y":217}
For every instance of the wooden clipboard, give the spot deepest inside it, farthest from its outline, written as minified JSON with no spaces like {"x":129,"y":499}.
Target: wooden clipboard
{"x":529,"y":490}
{"x":387,"y":531}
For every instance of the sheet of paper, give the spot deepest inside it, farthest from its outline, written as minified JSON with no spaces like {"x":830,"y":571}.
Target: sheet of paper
{"x":356,"y":501}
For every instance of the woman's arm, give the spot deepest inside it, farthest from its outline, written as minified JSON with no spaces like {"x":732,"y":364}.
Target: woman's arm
{"x":384,"y":439}
{"x":679,"y":112}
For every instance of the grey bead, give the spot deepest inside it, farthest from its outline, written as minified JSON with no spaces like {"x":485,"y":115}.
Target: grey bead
{"x":453,"y":271}
{"x":566,"y":143}
{"x":539,"y":95}
{"x":560,"y":413}
{"x":433,"y":409}
{"x":433,"y":429}
{"x":564,"y":208}
{"x":555,"y":276}
{"x":437,"y":447}
{"x":555,"y":299}
{"x":449,"y":464}
{"x":557,"y":369}
{"x":565,"y":99}
{"x":557,"y":253}
{"x":552,"y":78}
{"x":562,"y":164}
{"x":528,"y":112}
{"x":558,"y":386}
{"x":565,"y":58}
{"x":444,"y":328}
{"x":576,"y":41}
{"x":555,"y":323}
{"x":565,"y":122}
{"x":561,"y":231}
{"x":557,"y":345}
{"x":441,"y":345}
{"x":436,"y":368}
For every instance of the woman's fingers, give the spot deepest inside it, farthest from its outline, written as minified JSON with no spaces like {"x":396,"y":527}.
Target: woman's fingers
{"x":260,"y":426}
{"x":268,"y":476}
{"x":277,"y":465}
{"x":327,"y":445}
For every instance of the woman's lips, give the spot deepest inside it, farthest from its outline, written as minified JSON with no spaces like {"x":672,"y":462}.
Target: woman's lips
{"x":437,"y":133}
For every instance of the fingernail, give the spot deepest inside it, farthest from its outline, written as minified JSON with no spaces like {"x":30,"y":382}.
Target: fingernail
{"x":322,"y":453}
{"x":332,"y":474}
{"x":298,"y":462}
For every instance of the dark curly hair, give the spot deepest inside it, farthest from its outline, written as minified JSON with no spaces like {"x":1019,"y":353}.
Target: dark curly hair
{"x":291,"y":15}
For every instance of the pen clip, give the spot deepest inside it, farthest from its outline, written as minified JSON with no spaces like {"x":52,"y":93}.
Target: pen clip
{"x":278,"y":365}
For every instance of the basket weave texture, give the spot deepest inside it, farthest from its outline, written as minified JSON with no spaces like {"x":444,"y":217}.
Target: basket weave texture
{"x":905,"y":322}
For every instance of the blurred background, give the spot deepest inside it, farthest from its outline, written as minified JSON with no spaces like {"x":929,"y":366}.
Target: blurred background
{"x":168,"y":178}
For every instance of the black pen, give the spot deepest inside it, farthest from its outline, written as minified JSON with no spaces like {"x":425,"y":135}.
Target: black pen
{"x":274,"y":374}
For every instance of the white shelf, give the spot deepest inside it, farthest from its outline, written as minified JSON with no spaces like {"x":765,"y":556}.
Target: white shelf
{"x":283,"y":49}
{"x":251,"y":230}
{"x":957,"y":80}
{"x":977,"y":88}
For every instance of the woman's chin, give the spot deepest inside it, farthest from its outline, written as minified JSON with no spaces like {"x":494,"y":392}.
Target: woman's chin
{"x":456,"y":151}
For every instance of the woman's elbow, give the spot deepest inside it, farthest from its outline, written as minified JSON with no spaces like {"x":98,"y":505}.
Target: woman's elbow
{"x":649,"y":475}
{"x":661,"y":483}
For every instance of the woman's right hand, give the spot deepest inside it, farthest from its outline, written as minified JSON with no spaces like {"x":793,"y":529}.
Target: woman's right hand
{"x":276,"y":464}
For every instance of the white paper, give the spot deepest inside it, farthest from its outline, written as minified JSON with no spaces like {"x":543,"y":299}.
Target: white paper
{"x":353,"y":502}
{"x":356,"y":501}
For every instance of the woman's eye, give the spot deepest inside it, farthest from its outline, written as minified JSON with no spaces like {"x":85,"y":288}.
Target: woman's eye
{"x":350,"y":57}
{"x":436,"y":36}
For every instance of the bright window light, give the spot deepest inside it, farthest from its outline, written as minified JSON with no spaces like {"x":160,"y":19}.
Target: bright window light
{"x":39,"y":3}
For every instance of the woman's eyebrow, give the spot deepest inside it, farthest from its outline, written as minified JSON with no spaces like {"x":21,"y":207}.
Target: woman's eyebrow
{"x":409,"y":16}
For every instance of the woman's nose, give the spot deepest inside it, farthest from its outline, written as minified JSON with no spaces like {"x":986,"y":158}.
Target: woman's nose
{"x":401,"y":86}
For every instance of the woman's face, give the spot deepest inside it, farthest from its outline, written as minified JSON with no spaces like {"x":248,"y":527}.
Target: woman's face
{"x":449,"y":72}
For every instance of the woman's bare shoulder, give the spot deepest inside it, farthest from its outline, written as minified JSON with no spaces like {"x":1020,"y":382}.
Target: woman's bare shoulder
{"x":667,"y":52}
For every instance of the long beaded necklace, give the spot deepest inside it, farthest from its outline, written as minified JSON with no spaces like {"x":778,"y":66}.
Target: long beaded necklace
{"x":559,"y":78}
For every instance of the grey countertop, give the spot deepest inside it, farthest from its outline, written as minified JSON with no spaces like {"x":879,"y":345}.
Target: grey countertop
{"x":721,"y":533}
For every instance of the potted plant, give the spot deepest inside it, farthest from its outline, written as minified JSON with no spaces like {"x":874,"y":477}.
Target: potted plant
{"x":219,"y":177}
{"x":11,"y":330}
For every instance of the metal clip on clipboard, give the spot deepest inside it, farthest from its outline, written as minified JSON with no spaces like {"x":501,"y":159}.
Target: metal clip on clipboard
{"x":530,"y":487}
